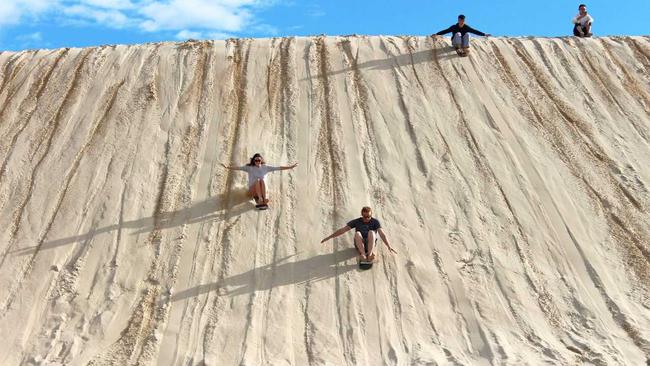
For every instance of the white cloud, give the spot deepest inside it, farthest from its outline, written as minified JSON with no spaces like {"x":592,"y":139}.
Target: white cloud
{"x":228,"y":15}
{"x":9,"y":13}
{"x":187,"y":34}
{"x":265,"y":29}
{"x":108,"y":17}
{"x":214,"y":19}
{"x":13,"y":11}
{"x":110,"y":4}
{"x":220,"y":35}
{"x":32,"y":37}
{"x":30,"y":40}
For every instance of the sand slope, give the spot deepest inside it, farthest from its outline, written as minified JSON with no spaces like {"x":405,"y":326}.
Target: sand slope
{"x":513,"y":183}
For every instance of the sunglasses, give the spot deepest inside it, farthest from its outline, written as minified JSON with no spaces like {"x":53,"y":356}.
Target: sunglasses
{"x":257,"y":160}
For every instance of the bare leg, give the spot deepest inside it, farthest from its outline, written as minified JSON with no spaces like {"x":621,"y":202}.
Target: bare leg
{"x":263,"y":189}
{"x":371,"y":245}
{"x":260,"y":191}
{"x":358,"y":241}
{"x":252,"y":192}
{"x":588,"y":30}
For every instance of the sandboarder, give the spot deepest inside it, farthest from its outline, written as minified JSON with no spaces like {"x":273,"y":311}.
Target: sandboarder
{"x":257,"y":170}
{"x":460,"y":35}
{"x":365,"y":237}
{"x":582,"y":22}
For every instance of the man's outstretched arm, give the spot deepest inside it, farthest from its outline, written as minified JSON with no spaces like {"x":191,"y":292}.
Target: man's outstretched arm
{"x":445,"y":31}
{"x":338,"y":232}
{"x":477,"y":32}
{"x":382,"y":235}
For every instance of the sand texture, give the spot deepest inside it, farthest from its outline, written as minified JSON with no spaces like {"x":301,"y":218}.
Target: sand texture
{"x":513,"y":183}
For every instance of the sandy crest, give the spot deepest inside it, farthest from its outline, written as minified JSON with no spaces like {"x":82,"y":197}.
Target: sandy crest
{"x":511,"y":183}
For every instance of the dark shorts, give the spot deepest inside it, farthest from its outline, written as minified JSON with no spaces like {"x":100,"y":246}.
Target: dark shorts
{"x":577,"y":28}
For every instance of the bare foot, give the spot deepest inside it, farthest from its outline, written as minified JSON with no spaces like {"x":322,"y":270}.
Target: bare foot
{"x":371,"y":257}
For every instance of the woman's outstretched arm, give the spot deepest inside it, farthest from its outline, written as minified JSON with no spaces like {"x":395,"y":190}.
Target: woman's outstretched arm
{"x":231,"y":167}
{"x":289,"y":166}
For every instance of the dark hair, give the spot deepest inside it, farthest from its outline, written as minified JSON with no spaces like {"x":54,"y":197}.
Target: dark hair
{"x":366,"y":209}
{"x":257,"y":155}
{"x":581,"y":5}
{"x":461,"y":17}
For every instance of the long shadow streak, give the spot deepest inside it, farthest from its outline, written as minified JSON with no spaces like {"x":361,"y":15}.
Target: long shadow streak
{"x":213,"y":208}
{"x":389,"y":63}
{"x":282,"y":273}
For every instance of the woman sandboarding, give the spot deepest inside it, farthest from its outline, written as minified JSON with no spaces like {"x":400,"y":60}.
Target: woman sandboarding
{"x":257,"y":170}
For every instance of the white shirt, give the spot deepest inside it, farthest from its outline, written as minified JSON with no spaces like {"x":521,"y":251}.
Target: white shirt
{"x":584,"y":20}
{"x":255,"y":173}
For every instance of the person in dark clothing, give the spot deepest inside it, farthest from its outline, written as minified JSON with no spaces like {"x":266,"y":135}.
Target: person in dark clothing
{"x":366,"y":228}
{"x":460,"y":34}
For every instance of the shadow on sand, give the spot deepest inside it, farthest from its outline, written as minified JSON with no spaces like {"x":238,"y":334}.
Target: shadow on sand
{"x":213,"y":208}
{"x":442,"y":52}
{"x":277,"y":274}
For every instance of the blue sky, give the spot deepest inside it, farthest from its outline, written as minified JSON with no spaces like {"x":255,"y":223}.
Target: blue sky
{"x":28,"y":24}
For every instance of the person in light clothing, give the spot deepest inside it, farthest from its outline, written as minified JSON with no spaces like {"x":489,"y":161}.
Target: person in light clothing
{"x":582,"y":22}
{"x":257,"y":170}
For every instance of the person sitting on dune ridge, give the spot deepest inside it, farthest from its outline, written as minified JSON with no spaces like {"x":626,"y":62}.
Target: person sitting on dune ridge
{"x":460,"y":35}
{"x":582,"y":22}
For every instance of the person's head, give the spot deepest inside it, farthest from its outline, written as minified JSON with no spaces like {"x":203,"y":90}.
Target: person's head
{"x":366,"y":213}
{"x":582,"y":8}
{"x":256,"y":160}
{"x":461,"y":20}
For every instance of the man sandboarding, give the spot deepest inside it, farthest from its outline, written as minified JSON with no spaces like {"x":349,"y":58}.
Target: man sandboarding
{"x":365,"y":237}
{"x":460,"y":35}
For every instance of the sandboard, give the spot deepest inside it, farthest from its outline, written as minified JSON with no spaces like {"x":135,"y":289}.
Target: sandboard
{"x":262,"y":207}
{"x":365,"y":265}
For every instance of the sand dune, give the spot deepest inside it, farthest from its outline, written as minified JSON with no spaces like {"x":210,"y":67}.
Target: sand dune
{"x":513,"y":184}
